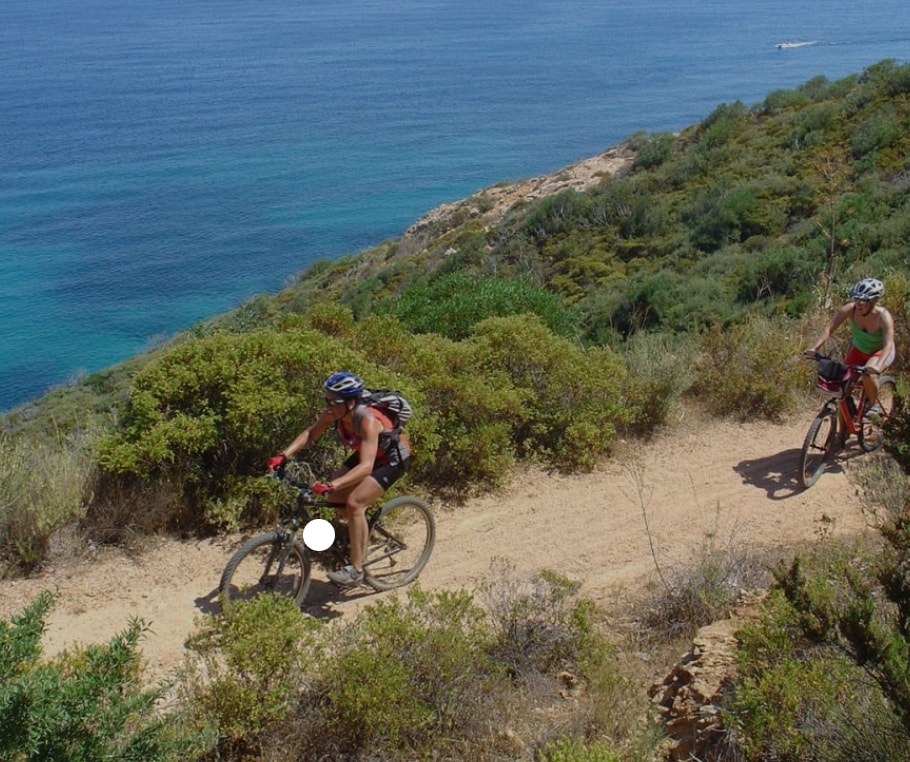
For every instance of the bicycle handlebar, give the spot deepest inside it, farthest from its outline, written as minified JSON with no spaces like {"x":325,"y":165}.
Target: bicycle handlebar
{"x":860,"y":369}
{"x":304,"y":486}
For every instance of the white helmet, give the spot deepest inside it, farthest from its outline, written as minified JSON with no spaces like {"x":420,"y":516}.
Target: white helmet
{"x":868,"y":288}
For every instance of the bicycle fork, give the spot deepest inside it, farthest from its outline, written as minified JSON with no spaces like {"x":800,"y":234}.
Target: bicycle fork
{"x":846,"y":413}
{"x":281,"y":549}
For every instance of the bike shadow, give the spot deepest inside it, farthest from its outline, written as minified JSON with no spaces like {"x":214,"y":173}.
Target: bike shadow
{"x":324,"y":598}
{"x":209,"y":603}
{"x":778,"y":474}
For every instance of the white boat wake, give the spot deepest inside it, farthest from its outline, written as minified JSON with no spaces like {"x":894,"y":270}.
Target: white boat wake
{"x":798,"y":44}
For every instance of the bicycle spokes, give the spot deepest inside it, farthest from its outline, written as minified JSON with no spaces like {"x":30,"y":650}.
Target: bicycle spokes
{"x":400,"y":543}
{"x":267,"y":563}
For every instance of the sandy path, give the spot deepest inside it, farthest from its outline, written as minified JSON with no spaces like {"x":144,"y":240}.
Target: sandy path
{"x":735,"y":482}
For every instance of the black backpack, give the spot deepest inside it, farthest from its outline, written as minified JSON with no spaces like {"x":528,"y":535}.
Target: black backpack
{"x":831,"y":370}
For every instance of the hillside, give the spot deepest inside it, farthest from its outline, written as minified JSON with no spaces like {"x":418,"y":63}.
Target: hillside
{"x":765,"y":210}
{"x":634,"y":324}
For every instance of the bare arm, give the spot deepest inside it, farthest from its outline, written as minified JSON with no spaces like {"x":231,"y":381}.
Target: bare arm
{"x":839,"y":317}
{"x":310,"y":434}
{"x":887,"y":332}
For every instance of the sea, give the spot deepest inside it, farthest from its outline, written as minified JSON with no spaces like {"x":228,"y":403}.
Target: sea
{"x":164,"y":162}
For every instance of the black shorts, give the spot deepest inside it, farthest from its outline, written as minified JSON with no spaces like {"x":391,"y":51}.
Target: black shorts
{"x":386,"y":475}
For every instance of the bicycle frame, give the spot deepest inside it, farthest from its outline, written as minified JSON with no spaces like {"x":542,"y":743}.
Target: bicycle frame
{"x":337,"y":553}
{"x":851,"y":415}
{"x":300,"y":516}
{"x":402,"y":532}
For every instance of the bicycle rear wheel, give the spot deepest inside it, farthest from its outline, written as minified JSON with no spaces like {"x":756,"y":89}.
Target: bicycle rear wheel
{"x":870,"y":432}
{"x":818,"y":447}
{"x":267,"y":563}
{"x":400,"y":544}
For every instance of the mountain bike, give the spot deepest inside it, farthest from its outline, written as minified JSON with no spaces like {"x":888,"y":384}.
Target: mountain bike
{"x":842,"y":415}
{"x":402,"y":533}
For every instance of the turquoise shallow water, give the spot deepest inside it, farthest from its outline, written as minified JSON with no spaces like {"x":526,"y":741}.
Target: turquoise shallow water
{"x":160,"y":163}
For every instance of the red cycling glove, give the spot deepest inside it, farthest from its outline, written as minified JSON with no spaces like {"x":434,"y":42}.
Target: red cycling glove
{"x":323,"y":488}
{"x":277,"y":462}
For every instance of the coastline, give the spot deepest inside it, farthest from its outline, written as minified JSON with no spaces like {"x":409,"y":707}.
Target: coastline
{"x":493,"y":202}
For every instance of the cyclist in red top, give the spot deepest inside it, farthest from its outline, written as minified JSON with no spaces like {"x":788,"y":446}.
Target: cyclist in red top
{"x":872,"y":328}
{"x":380,"y":458}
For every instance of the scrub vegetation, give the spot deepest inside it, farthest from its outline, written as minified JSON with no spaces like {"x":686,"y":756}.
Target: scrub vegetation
{"x":536,"y":337}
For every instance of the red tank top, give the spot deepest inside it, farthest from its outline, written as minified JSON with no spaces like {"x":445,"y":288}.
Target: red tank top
{"x":388,"y":441}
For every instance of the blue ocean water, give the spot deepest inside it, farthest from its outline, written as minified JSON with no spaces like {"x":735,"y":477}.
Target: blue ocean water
{"x":162,"y":162}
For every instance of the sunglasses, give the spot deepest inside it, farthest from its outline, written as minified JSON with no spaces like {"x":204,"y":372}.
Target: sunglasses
{"x":334,"y":402}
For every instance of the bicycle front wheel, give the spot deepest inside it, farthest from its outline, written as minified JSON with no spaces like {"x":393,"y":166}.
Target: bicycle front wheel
{"x":870,"y":432}
{"x":267,"y":563}
{"x":818,"y":447}
{"x":401,"y":541}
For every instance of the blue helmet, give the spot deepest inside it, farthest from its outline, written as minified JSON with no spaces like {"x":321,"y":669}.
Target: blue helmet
{"x":344,"y":384}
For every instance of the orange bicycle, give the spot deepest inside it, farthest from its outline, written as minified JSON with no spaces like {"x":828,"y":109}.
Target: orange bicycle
{"x":844,"y":414}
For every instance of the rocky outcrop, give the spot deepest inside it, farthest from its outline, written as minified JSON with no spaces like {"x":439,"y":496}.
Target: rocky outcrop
{"x":491,"y":204}
{"x":690,"y":697}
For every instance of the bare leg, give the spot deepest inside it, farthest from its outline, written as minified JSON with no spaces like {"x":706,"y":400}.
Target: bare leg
{"x":355,"y":510}
{"x":870,"y":380}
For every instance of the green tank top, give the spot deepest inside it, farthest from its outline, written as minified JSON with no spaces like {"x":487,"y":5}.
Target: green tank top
{"x":867,"y":343}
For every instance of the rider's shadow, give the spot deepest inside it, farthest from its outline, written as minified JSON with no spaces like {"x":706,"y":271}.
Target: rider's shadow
{"x":321,"y":600}
{"x":777,"y":475}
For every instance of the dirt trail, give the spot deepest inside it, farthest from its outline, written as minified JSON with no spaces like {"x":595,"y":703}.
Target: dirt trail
{"x":735,"y":482}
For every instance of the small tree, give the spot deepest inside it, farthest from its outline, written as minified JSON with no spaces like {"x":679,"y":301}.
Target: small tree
{"x":832,"y":177}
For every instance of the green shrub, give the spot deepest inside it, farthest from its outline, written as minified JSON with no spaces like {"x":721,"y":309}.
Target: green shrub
{"x":897,"y":432}
{"x":540,"y":626}
{"x":778,"y":273}
{"x":553,"y":215}
{"x":734,"y":212}
{"x":204,"y":416}
{"x":409,"y":673}
{"x":551,"y":642}
{"x":722,"y":125}
{"x":247,"y":668}
{"x":882,"y":129}
{"x":436,"y":674}
{"x":800,"y":699}
{"x":575,"y":750}
{"x":750,"y":370}
{"x":571,"y":396}
{"x":85,"y":705}
{"x":452,"y":304}
{"x":471,"y":413}
{"x":660,"y":368}
{"x":655,"y":151}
